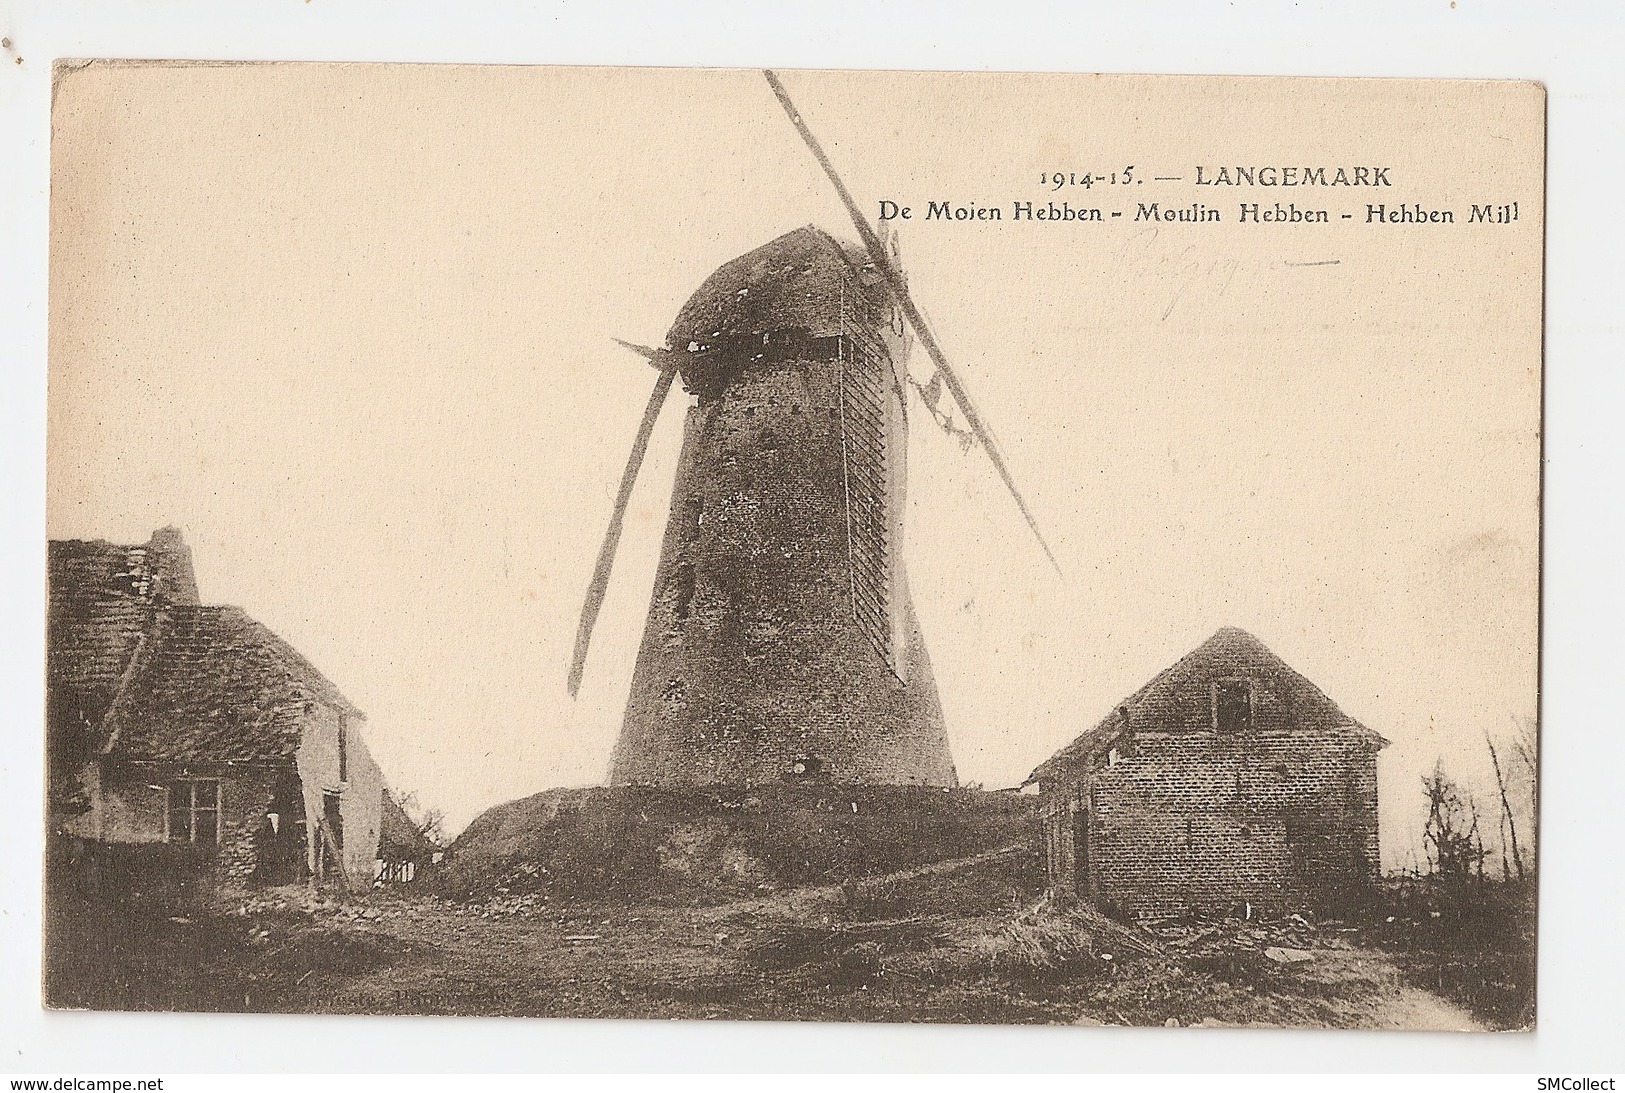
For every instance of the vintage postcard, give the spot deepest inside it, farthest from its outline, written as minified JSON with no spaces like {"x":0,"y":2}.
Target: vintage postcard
{"x":814,"y":545}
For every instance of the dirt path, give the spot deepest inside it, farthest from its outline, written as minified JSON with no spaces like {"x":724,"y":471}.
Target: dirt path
{"x":719,"y":962}
{"x":698,"y":963}
{"x":632,"y":962}
{"x":1401,"y":1005}
{"x":802,"y":900}
{"x":1419,"y":1010}
{"x":635,"y":963}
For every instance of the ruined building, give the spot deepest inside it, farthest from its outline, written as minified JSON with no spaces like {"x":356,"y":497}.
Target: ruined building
{"x":1227,"y":779}
{"x":193,"y":726}
{"x":781,"y":642}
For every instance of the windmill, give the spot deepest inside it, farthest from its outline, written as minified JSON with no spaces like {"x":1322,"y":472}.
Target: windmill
{"x":781,"y":641}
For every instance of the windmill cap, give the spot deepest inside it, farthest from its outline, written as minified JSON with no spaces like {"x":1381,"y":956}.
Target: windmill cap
{"x":804,"y":280}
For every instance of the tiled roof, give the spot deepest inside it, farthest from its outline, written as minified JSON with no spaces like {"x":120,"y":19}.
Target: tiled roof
{"x":135,"y":659}
{"x":102,"y":600}
{"x":1229,"y":652}
{"x":213,"y":685}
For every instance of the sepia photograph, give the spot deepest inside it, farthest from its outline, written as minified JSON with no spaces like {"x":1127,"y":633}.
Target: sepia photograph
{"x":794,"y":545}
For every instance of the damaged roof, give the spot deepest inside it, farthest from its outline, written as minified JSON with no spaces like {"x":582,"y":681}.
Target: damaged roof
{"x":152,"y":674}
{"x":101,"y":601}
{"x":1170,"y":703}
{"x":398,"y":837}
{"x":213,"y":685}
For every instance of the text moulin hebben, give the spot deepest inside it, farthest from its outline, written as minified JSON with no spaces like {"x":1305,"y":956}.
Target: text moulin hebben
{"x":1323,"y":194}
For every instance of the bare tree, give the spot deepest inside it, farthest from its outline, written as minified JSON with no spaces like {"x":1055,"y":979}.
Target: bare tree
{"x":430,"y":822}
{"x":1450,"y":837}
{"x":1509,"y":821}
{"x":1526,"y":745}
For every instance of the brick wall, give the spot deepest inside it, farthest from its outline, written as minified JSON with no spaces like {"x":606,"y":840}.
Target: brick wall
{"x":1229,"y":777}
{"x":245,"y":799}
{"x":1283,"y":819}
{"x":133,"y":801}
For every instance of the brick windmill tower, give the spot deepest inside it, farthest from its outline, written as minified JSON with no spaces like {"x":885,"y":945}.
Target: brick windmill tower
{"x":781,"y":642}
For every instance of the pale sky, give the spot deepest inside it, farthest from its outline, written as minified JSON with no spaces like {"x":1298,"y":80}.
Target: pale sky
{"x":350,"y":328}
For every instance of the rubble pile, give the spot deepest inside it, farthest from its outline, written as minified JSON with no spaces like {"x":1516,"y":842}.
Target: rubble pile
{"x":317,"y":904}
{"x":1284,"y":942}
{"x":361,"y":910}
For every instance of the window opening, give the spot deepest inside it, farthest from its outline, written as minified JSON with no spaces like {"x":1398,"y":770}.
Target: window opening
{"x":194,"y":811}
{"x":1233,"y":705}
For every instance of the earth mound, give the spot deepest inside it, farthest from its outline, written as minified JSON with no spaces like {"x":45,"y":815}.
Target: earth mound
{"x":640,"y":844}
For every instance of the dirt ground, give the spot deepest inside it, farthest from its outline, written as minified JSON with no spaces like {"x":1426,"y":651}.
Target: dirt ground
{"x":963,"y":941}
{"x":696,"y":965}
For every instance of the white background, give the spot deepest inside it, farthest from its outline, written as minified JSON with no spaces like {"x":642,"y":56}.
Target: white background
{"x":1578,"y":50}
